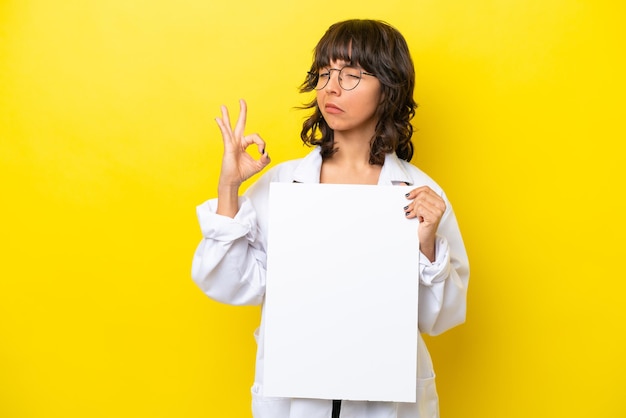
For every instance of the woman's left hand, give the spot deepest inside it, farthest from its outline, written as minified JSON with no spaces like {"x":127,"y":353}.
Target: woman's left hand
{"x":428,"y":207}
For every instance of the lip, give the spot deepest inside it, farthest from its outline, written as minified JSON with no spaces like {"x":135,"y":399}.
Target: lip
{"x":332,"y":108}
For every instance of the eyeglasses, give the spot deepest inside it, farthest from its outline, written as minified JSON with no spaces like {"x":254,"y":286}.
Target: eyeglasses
{"x":349,"y":77}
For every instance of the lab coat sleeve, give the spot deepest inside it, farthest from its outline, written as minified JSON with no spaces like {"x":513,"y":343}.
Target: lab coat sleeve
{"x":443,"y":282}
{"x":229,"y":262}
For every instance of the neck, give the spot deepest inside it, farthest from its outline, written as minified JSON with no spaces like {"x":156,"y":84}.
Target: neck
{"x":352,"y":150}
{"x":350,"y":164}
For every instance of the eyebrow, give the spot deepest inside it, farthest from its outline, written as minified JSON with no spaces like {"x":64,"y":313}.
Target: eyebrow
{"x":346,"y":64}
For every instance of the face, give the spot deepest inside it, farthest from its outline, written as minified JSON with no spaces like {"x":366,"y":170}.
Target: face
{"x":349,"y":111}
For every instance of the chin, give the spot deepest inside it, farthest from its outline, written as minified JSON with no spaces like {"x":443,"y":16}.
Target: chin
{"x":332,"y":122}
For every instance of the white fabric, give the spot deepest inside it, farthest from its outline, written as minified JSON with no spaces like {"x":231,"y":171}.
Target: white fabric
{"x":229,"y":266}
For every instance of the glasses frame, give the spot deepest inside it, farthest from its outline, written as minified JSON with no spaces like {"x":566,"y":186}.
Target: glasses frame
{"x":315,"y":78}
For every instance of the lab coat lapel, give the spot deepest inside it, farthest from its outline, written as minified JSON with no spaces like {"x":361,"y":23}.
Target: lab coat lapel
{"x":309,"y":168}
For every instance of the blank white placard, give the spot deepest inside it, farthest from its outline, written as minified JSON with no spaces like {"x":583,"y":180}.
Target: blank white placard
{"x":342,"y":293}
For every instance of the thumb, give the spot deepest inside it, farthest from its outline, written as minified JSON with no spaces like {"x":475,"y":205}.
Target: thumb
{"x":265,"y":158}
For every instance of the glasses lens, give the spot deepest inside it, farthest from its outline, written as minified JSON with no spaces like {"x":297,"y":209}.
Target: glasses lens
{"x":320,"y":79}
{"x":349,"y":78}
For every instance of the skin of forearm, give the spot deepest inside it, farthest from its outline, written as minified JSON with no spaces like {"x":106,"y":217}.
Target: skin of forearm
{"x":429,"y":252}
{"x":227,"y":200}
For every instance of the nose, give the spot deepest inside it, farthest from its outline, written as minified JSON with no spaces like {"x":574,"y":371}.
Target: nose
{"x":333,"y":83}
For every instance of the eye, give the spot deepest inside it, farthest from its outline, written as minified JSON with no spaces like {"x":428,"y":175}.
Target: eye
{"x":351,"y":73}
{"x":323,"y":75}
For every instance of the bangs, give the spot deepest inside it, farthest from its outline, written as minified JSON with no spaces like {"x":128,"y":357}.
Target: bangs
{"x":343,"y":42}
{"x":332,"y":50}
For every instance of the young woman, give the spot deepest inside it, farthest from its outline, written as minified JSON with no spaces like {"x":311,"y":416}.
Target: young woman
{"x":360,"y":132}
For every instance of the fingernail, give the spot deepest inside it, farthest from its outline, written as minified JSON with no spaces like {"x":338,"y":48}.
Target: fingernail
{"x":263,"y":151}
{"x":407,"y":195}
{"x":406,"y":207}
{"x":406,"y":213}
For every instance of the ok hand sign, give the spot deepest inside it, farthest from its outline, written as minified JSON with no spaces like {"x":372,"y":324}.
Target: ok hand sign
{"x":237,"y":164}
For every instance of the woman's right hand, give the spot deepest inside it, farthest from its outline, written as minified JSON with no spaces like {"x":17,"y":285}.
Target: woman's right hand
{"x":237,"y":164}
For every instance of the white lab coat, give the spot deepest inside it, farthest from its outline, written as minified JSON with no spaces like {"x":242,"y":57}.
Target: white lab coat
{"x":229,"y":266}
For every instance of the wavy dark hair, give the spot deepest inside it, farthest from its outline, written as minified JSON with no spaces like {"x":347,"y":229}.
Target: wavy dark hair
{"x":379,"y":48}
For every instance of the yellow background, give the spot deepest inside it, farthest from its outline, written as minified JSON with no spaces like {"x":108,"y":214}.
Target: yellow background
{"x":107,"y":144}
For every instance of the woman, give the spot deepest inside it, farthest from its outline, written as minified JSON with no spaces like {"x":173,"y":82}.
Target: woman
{"x":360,"y":132}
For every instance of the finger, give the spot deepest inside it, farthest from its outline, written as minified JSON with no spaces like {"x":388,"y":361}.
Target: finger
{"x":415,"y":211}
{"x":425,"y":213}
{"x":425,"y":210}
{"x":226,"y":132}
{"x":412,"y":213}
{"x":413,"y":193}
{"x":432,"y":201}
{"x":220,"y":124}
{"x":224,"y":124}
{"x":409,"y":211}
{"x":241,"y":120}
{"x":409,"y":214}
{"x":254,"y":139}
{"x":265,"y":158}
{"x":425,"y":194}
{"x":225,"y":117}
